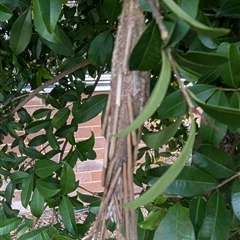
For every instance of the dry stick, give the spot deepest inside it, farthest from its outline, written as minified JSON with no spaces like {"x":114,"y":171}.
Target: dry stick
{"x":50,"y":82}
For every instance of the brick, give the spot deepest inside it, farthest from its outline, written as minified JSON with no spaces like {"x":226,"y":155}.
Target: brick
{"x":97,"y":131}
{"x":92,"y":187}
{"x":99,"y":142}
{"x":84,"y":177}
{"x":89,"y":166}
{"x":93,"y":122}
{"x":100,"y":153}
{"x":97,"y":176}
{"x":83,"y":133}
{"x":35,"y":101}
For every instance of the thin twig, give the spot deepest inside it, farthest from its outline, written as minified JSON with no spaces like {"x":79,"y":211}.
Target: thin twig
{"x":46,"y":84}
{"x":237,"y":174}
{"x":100,"y":72}
{"x":94,"y":194}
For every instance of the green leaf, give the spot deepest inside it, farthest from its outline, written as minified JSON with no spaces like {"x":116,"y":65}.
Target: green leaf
{"x":27,"y":188}
{"x":174,"y":104}
{"x":157,"y":139}
{"x":235,"y":100}
{"x":197,"y":212}
{"x":37,"y":204}
{"x":46,"y":190}
{"x":37,"y":141}
{"x":63,"y":46}
{"x":190,"y":181}
{"x":5,"y":13}
{"x":188,"y":74}
{"x":52,"y":139}
{"x":101,"y":47}
{"x":214,"y":161}
{"x":36,"y":234}
{"x":33,"y":153}
{"x":112,"y":10}
{"x":168,"y":177}
{"x":229,"y":9}
{"x":230,"y":71}
{"x":6,"y":157}
{"x":211,"y":130}
{"x":8,"y":225}
{"x":41,"y":113}
{"x":68,"y":180}
{"x":175,"y":225}
{"x":216,"y":222}
{"x":90,"y":108}
{"x":86,"y":145}
{"x":64,"y":130}
{"x":153,"y":220}
{"x":45,"y":167}
{"x":60,"y":117}
{"x":49,"y":12}
{"x":83,"y":32}
{"x":154,"y":100}
{"x":68,"y":216}
{"x":146,"y":54}
{"x":197,"y":26}
{"x":21,"y":32}
{"x":181,"y":28}
{"x":232,"y":115}
{"x":87,"y":198}
{"x":235,"y":197}
{"x":36,"y":126}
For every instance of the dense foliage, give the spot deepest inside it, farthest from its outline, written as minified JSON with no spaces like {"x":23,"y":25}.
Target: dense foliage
{"x":196,"y":74}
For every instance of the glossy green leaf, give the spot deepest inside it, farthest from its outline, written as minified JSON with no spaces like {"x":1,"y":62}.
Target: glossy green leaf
{"x":181,"y":28}
{"x":188,"y":74}
{"x":37,"y":141}
{"x":33,"y":153}
{"x":5,"y":13}
{"x":6,"y":157}
{"x":205,"y":58}
{"x":60,"y":237}
{"x":232,"y":115}
{"x":62,"y":46}
{"x":211,"y":130}
{"x":83,"y":32}
{"x":157,"y":139}
{"x":41,"y":113}
{"x":87,"y":198}
{"x":155,"y":99}
{"x":68,"y":216}
{"x":229,"y":8}
{"x":52,"y":140}
{"x":230,"y":71}
{"x":49,"y":12}
{"x":197,"y":212}
{"x":36,"y":126}
{"x":235,"y":100}
{"x":37,"y":204}
{"x":100,"y":49}
{"x":46,"y":190}
{"x":90,"y":108}
{"x":197,"y":26}
{"x":8,"y":225}
{"x":9,"y":191}
{"x":214,"y":161}
{"x":112,"y":10}
{"x":35,"y":234}
{"x":27,"y":188}
{"x":174,"y":104}
{"x":60,"y":117}
{"x":146,"y":54}
{"x":216,"y":224}
{"x":68,"y":180}
{"x":153,"y":220}
{"x":168,"y":177}
{"x":175,"y":225}
{"x":235,"y":197}
{"x":17,"y":177}
{"x":21,"y":32}
{"x":64,"y":130}
{"x":45,"y":167}
{"x":190,"y":181}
